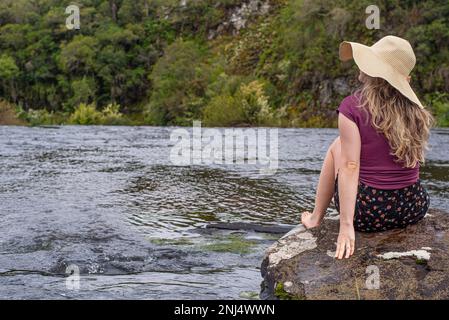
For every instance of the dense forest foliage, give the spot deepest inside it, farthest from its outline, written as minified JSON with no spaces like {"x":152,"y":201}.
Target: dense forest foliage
{"x":226,"y":62}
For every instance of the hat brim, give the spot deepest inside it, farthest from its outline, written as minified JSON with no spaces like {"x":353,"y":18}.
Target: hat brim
{"x":369,"y":63}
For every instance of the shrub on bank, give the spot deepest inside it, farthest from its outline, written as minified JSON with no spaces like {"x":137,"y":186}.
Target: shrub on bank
{"x":85,"y":114}
{"x":111,"y":115}
{"x":442,"y":113}
{"x":439,"y":105}
{"x":223,"y":111}
{"x":249,"y":105}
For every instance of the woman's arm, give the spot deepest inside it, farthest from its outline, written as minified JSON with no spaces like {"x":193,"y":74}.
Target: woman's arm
{"x":348,"y":180}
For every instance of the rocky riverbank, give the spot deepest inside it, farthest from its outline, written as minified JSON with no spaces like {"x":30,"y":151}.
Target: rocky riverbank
{"x":8,"y":115}
{"x":410,"y":263}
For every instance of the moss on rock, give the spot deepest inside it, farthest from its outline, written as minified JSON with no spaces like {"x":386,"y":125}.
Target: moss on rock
{"x":233,"y":244}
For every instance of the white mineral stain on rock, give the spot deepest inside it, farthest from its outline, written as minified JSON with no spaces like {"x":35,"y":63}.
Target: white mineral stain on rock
{"x":288,"y":286}
{"x":293,"y":243}
{"x":297,"y":229}
{"x":240,"y":16}
{"x":419,"y":254}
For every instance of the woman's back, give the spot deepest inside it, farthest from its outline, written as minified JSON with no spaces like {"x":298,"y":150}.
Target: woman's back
{"x":378,"y":167}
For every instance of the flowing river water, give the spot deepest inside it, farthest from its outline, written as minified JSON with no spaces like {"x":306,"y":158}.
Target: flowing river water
{"x":108,"y":202}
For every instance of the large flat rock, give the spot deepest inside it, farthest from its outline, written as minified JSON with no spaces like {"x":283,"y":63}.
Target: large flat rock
{"x":410,"y":263}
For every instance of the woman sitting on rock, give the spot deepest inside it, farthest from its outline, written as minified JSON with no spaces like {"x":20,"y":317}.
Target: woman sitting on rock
{"x":372,"y":168}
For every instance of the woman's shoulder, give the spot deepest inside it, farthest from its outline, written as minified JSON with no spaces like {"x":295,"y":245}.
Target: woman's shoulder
{"x":350,"y":107}
{"x":352,"y":101}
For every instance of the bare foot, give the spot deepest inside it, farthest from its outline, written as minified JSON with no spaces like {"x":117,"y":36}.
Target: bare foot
{"x":310,"y":220}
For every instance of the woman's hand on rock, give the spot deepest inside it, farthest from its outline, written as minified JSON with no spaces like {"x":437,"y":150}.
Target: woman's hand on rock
{"x":345,"y":242}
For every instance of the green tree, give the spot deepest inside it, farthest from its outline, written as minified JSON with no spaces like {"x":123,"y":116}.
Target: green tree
{"x":179,"y":80}
{"x":84,"y":91}
{"x":78,"y":56}
{"x":8,"y":73}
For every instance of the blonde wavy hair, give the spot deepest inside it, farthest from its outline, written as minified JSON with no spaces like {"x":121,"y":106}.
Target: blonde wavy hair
{"x":405,"y":125}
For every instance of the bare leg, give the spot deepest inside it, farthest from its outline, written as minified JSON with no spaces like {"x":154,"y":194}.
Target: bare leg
{"x":326,"y":184}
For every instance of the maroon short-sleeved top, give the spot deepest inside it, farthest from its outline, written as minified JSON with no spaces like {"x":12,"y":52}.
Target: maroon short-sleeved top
{"x":378,"y":167}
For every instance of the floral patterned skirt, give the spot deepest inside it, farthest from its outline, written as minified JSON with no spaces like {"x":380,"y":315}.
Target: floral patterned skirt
{"x":380,"y":210}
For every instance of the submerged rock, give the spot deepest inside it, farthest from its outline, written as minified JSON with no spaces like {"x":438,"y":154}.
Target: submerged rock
{"x":410,"y":263}
{"x":249,"y":227}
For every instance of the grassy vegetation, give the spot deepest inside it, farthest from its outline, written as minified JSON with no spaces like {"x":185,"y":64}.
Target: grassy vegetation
{"x":154,"y":62}
{"x":83,"y":114}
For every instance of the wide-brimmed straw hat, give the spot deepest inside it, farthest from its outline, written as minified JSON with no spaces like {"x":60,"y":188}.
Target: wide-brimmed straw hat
{"x":391,"y":58}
